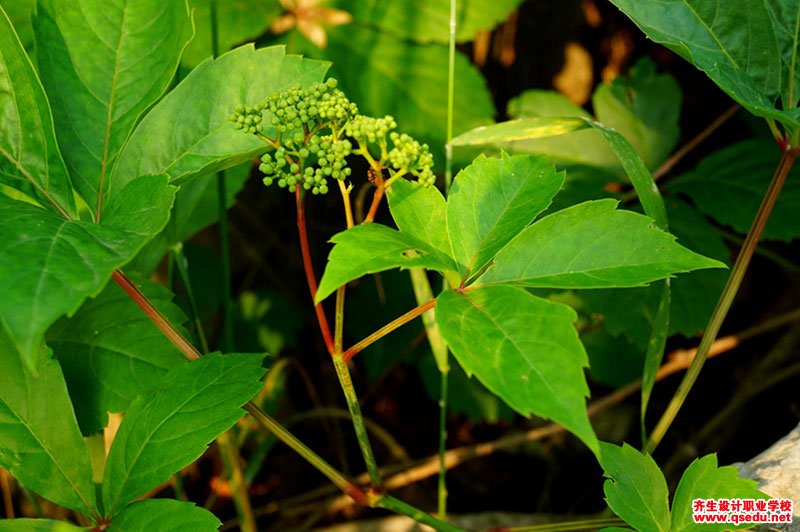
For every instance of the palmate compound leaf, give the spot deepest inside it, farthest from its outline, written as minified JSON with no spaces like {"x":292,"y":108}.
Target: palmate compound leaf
{"x":164,"y":515}
{"x":592,"y":245}
{"x":188,"y":134}
{"x":170,"y":427}
{"x":111,"y":352}
{"x":40,"y":444}
{"x":492,"y":200}
{"x":372,"y":248}
{"x":703,"y":479}
{"x":51,"y":265}
{"x":635,"y":489}
{"x":523,"y":348}
{"x":103,"y":64}
{"x":29,"y":157}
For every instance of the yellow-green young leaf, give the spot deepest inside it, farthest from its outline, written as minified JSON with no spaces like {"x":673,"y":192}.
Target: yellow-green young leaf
{"x":52,"y":264}
{"x":103,"y":65}
{"x":580,"y":147}
{"x":428,"y":20}
{"x":373,"y":248}
{"x":237,"y":22}
{"x":111,"y":352}
{"x":592,"y":245}
{"x":420,"y":212}
{"x":171,"y":427}
{"x":164,"y":515}
{"x":524,"y":349}
{"x":635,"y":490}
{"x":747,"y":48}
{"x":29,"y":157}
{"x":728,"y":186}
{"x":40,"y":444}
{"x":704,"y":480}
{"x":492,"y":200}
{"x":38,"y":525}
{"x":521,"y":129}
{"x":188,"y":133}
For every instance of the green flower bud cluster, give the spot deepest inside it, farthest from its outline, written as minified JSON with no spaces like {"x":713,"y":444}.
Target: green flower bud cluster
{"x":248,"y":119}
{"x":416,"y":158}
{"x":311,"y":141}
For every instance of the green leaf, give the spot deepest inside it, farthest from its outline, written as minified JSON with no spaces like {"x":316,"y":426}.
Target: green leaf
{"x":103,"y":65}
{"x":37,"y":525}
{"x":31,"y":162}
{"x":188,"y":134}
{"x":728,"y":186}
{"x":169,"y":428}
{"x":785,"y":16}
{"x":492,"y":200}
{"x":164,"y":515}
{"x":635,"y":490}
{"x":386,"y":75}
{"x":40,"y":444}
{"x":704,"y":480}
{"x":644,"y":108}
{"x":111,"y":352}
{"x":237,"y":22}
{"x":747,"y":48}
{"x":428,"y":20}
{"x":196,"y":207}
{"x":373,"y":248}
{"x":19,"y":12}
{"x":52,"y":264}
{"x":528,"y":128}
{"x":592,"y":245}
{"x":523,"y":348}
{"x":420,"y":212}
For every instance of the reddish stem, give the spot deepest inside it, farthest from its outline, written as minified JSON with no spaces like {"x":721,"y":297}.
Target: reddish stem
{"x":389,"y":327}
{"x":312,"y":280}
{"x":155,"y":315}
{"x":376,"y":200}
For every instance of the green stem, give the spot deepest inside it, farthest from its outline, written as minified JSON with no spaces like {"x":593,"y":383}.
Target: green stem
{"x":442,"y":484}
{"x":397,"y":506}
{"x":451,"y":83}
{"x":587,"y":524}
{"x":310,"y":456}
{"x":179,"y":262}
{"x":222,"y":207}
{"x":241,"y":499}
{"x":726,"y":299}
{"x":343,"y":372}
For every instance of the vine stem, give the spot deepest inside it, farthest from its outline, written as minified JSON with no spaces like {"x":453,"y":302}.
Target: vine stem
{"x":726,"y":298}
{"x":386,"y":329}
{"x":309,"y":269}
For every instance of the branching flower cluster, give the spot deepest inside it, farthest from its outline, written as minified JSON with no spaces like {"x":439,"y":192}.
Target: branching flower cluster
{"x":317,"y":129}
